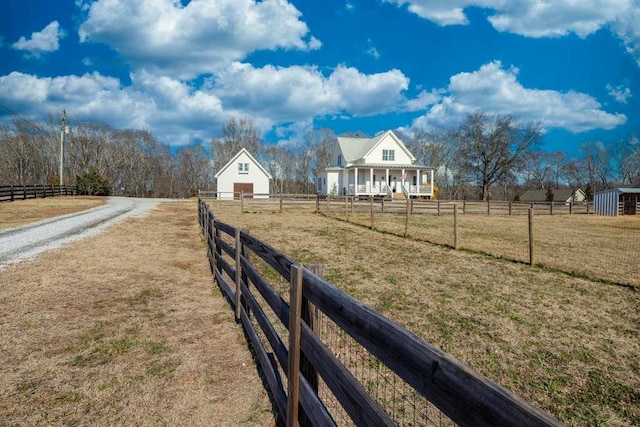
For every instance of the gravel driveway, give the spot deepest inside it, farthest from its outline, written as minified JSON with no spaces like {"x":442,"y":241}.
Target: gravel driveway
{"x":21,"y":243}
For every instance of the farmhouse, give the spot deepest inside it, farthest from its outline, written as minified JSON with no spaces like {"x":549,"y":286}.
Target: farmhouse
{"x":242,"y":174}
{"x":378,"y":166}
{"x":559,"y":196}
{"x":617,"y":201}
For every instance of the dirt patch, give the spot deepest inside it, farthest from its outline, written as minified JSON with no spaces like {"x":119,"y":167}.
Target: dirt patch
{"x":125,"y":328}
{"x":21,"y":212}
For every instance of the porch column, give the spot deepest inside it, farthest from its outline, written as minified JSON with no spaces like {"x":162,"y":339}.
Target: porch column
{"x":386,"y":179}
{"x":371,"y":180}
{"x":355,"y":180}
{"x":418,"y":182}
{"x":432,"y":189}
{"x":402,"y":179}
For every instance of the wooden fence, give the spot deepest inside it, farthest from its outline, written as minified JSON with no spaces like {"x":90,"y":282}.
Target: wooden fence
{"x":248,"y":202}
{"x":9,"y":193}
{"x":425,"y":385}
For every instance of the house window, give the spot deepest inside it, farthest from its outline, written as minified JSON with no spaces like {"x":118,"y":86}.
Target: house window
{"x":388,"y":155}
{"x":339,"y":159}
{"x":415,"y":180}
{"x":243,"y":167}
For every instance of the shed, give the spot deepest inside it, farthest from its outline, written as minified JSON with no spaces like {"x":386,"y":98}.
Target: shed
{"x":617,"y":201}
{"x":243,"y":173}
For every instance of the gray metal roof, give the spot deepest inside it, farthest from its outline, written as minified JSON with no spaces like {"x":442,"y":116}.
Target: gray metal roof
{"x":622,"y":190}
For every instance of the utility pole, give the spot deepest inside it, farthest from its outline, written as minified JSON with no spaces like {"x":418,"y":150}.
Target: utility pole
{"x":63,"y":132}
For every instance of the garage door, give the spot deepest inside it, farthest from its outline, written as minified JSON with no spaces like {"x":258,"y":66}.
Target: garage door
{"x":247,"y":188}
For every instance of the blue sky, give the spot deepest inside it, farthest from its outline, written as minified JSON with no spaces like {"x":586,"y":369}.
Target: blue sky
{"x":180,"y":68}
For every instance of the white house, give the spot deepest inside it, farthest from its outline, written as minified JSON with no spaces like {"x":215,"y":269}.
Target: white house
{"x":244,"y":174}
{"x":378,"y":166}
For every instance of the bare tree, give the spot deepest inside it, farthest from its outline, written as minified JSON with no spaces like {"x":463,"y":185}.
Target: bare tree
{"x":237,"y":133}
{"x":321,"y":143}
{"x":627,"y":158}
{"x":597,"y":161}
{"x":489,"y":147}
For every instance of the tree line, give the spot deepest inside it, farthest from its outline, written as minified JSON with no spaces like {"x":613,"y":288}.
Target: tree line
{"x":486,"y":156}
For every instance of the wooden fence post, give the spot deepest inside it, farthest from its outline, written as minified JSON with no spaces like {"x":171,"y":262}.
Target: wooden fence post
{"x":509,"y":207}
{"x":295,"y":312}
{"x":531,"y":255}
{"x":570,"y":208}
{"x":309,"y":314}
{"x":346,"y":207}
{"x":406,"y":220}
{"x":371,"y":209}
{"x":455,"y":226}
{"x":411,"y":205}
{"x":464,"y":206}
{"x":438,"y":207}
{"x":551,"y":208}
{"x":24,"y":192}
{"x":238,"y":275}
{"x":587,"y":207}
{"x":328,"y":204}
{"x":280,"y":202}
{"x":351,"y":200}
{"x":318,"y":202}
{"x":241,"y":201}
{"x":382,"y":208}
{"x":488,"y":207}
{"x":12,"y":193}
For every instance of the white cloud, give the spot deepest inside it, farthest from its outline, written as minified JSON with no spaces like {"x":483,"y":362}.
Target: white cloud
{"x":300,"y":93}
{"x":372,"y":51}
{"x":541,"y":18}
{"x":422,"y":101}
{"x":620,"y":93}
{"x":199,"y":38}
{"x":493,"y":89}
{"x":172,"y":110}
{"x":46,"y":40}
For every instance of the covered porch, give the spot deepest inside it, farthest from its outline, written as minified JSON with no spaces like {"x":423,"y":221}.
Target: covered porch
{"x":411,"y":181}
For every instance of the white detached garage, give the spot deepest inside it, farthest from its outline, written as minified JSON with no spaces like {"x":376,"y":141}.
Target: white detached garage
{"x":244,"y":174}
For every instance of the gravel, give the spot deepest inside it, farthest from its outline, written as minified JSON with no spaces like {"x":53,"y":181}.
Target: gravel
{"x":26,"y":242}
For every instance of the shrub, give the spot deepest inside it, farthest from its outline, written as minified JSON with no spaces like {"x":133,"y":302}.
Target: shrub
{"x":92,"y":183}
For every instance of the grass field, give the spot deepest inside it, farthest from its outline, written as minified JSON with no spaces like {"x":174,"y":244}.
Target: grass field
{"x":21,"y":212}
{"x":569,"y":345}
{"x":126,"y":328}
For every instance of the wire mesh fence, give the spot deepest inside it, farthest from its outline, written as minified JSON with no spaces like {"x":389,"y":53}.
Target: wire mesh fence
{"x":563,"y":236}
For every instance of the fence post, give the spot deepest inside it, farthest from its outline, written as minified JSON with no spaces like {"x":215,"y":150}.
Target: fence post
{"x":531,"y":255}
{"x":455,"y":226}
{"x":295,"y":311}
{"x":318,"y":202}
{"x":382,"y":208}
{"x":351,"y":200}
{"x":328,"y":204}
{"x":406,"y":220}
{"x":309,"y":314}
{"x":551,"y":208}
{"x":411,"y":206}
{"x":371,"y":208}
{"x":12,"y":193}
{"x":24,"y":192}
{"x":280,"y":202}
{"x":587,"y":207}
{"x":438,"y":202}
{"x":509,"y":207}
{"x":241,"y":201}
{"x":570,"y":208}
{"x":346,"y":207}
{"x":238,"y":275}
{"x":464,"y":206}
{"x":246,"y":254}
{"x":488,"y":207}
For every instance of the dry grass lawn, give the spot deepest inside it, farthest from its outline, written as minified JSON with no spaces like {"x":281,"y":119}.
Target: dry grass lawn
{"x":126,"y":328}
{"x":568,"y":345}
{"x":21,"y":212}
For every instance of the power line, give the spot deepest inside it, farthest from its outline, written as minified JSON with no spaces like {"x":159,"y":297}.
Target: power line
{"x":29,"y":122}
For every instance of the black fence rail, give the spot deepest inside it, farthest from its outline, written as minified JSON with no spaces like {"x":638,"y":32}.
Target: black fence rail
{"x":9,"y":193}
{"x":345,"y":363}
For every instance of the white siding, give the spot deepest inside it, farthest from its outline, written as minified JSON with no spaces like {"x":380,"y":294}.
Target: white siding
{"x":388,"y":143}
{"x":232,"y":175}
{"x":333,"y":183}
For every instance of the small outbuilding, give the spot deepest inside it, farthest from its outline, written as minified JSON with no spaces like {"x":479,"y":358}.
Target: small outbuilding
{"x":242,"y":174}
{"x":617,"y":201}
